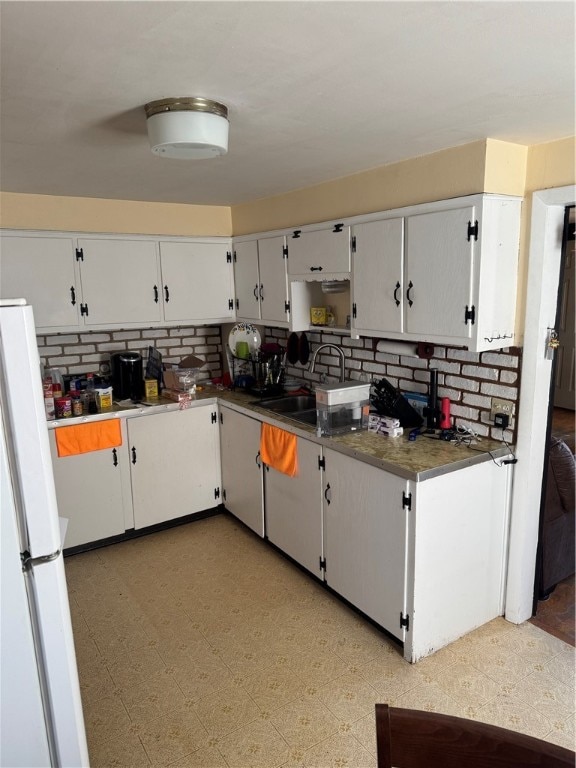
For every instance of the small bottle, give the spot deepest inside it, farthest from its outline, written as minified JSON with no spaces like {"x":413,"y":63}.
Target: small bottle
{"x":91,"y":394}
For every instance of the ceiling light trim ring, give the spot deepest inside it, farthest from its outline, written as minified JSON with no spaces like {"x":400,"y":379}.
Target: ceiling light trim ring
{"x":186,"y":104}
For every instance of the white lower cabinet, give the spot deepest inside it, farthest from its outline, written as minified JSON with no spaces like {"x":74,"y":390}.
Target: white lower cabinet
{"x":174,"y":464}
{"x":91,"y":489}
{"x":242,"y":468}
{"x":365,"y":538}
{"x":294,"y":508}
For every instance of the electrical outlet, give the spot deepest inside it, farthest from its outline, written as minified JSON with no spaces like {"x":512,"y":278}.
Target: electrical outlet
{"x":505,"y":407}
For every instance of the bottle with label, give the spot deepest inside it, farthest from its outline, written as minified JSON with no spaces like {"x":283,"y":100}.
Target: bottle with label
{"x":91,"y":394}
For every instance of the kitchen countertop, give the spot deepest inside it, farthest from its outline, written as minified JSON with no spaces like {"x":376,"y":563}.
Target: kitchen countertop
{"x":418,"y":460}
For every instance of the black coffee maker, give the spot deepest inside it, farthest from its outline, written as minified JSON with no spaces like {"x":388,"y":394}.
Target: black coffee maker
{"x":127,"y":376}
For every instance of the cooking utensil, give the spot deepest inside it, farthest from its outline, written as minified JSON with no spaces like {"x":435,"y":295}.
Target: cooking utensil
{"x":292,"y":352}
{"x":303,"y":349}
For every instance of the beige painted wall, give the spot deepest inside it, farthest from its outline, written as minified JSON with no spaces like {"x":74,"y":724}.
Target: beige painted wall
{"x":85,"y":214}
{"x":482,"y":166}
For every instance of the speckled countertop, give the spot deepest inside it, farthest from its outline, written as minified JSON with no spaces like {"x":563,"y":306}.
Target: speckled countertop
{"x":419,"y":460}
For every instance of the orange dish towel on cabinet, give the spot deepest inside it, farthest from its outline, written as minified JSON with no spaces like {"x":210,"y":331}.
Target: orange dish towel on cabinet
{"x":278,"y":449}
{"x":83,"y":438}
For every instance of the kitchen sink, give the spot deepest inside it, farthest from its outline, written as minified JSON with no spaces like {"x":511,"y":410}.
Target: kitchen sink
{"x":296,"y":407}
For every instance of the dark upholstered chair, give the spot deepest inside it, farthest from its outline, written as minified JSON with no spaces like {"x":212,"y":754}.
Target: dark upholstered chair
{"x":557,"y":538}
{"x":408,"y":738}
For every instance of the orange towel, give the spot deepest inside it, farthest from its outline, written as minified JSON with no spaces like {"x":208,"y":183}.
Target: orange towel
{"x":279,"y":449}
{"x":82,"y":438}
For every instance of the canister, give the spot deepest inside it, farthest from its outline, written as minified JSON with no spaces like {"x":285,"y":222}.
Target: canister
{"x":63,"y":406}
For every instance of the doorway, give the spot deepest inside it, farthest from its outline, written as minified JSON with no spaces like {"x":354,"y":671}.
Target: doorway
{"x":553,"y":606}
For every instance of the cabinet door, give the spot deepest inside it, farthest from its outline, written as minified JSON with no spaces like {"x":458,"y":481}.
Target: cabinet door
{"x":320,"y":252}
{"x":294,"y":508}
{"x":174,"y":464}
{"x":377,"y":271}
{"x":89,"y":492}
{"x":242,"y":468}
{"x":120,"y":282}
{"x":365,"y":532}
{"x":439,"y":271}
{"x":273,"y":280}
{"x":247,"y":280}
{"x":41,"y":270}
{"x":197,"y":282}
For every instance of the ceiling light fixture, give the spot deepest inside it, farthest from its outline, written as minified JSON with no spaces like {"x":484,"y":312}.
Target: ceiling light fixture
{"x":190,"y":128}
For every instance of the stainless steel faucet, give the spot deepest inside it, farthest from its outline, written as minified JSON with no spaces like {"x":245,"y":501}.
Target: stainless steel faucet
{"x":338,"y":349}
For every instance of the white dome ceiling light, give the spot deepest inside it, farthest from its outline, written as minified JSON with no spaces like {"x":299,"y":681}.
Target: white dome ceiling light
{"x":189,"y":128}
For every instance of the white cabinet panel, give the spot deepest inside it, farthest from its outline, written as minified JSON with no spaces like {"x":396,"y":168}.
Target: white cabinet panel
{"x":89,"y":490}
{"x":242,"y":468}
{"x":365,"y":538}
{"x":273,"y":281}
{"x":319,"y":253}
{"x":120,"y":282}
{"x":196,"y":282}
{"x":247,"y":280}
{"x":174,"y":464}
{"x":439,"y":270}
{"x":41,"y":270}
{"x":378,"y":276}
{"x":294,"y":508}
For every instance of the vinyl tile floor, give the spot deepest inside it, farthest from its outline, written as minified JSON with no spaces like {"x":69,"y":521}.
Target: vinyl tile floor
{"x":202,"y":647}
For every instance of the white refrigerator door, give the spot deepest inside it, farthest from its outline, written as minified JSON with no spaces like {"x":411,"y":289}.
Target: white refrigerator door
{"x":29,"y":464}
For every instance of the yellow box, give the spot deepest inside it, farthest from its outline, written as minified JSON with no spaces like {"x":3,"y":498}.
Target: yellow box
{"x":150,"y":389}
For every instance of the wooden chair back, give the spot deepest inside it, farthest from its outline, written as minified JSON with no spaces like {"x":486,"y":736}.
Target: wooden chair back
{"x":409,"y":738}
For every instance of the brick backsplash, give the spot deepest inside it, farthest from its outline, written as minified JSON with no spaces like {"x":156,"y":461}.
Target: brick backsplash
{"x":469,"y":379}
{"x":87,"y":351}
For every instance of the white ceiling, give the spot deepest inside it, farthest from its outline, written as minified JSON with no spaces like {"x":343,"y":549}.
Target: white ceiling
{"x":315,"y":90}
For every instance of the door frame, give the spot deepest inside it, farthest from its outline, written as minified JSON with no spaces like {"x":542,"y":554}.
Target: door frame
{"x":544,"y":259}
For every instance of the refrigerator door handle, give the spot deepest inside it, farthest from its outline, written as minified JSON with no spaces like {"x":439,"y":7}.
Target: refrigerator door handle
{"x":29,"y":562}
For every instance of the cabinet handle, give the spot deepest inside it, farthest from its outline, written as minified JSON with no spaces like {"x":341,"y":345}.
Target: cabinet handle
{"x":256,"y":291}
{"x":72,"y":295}
{"x":396,"y":299}
{"x":133,"y":455}
{"x":261,"y":292}
{"x":410,"y":286}
{"x":156,"y":294}
{"x":258,"y":464}
{"x":166,"y":294}
{"x":114,"y":457}
{"x":328,"y":498}
{"x":316,"y":269}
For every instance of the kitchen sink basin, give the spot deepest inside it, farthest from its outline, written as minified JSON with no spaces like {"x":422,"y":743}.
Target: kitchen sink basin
{"x":296,"y":407}
{"x":291,"y":404}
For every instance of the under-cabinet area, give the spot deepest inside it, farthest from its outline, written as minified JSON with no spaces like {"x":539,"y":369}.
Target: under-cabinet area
{"x":413,"y":535}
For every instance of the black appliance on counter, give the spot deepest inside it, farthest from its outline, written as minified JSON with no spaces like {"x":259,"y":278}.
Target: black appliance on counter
{"x":127,"y":376}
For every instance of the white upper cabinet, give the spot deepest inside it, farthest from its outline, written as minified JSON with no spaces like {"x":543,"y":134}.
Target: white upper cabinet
{"x":443,"y":273}
{"x":42,"y":271}
{"x":120,"y":282}
{"x":319,"y":254}
{"x":197,"y":281}
{"x":260,"y":280}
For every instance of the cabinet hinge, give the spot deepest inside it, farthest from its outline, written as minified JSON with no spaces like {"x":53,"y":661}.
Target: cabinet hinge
{"x":322,"y":462}
{"x":405,"y":621}
{"x":322,"y":562}
{"x":353,"y":244}
{"x":296,"y":234}
{"x":213,"y":417}
{"x":230,"y":303}
{"x":406,"y":501}
{"x":473,"y":230}
{"x":84,"y":309}
{"x":229,"y":257}
{"x":284,"y":251}
{"x":224,"y":494}
{"x":470,"y":314}
{"x":286,"y":306}
{"x":338,"y":227}
{"x":221,"y":419}
{"x":79,"y":254}
{"x":216,"y":493}
{"x":354,"y":309}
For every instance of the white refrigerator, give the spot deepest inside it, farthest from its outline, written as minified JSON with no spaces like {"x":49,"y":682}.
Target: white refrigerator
{"x":41,"y":721}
